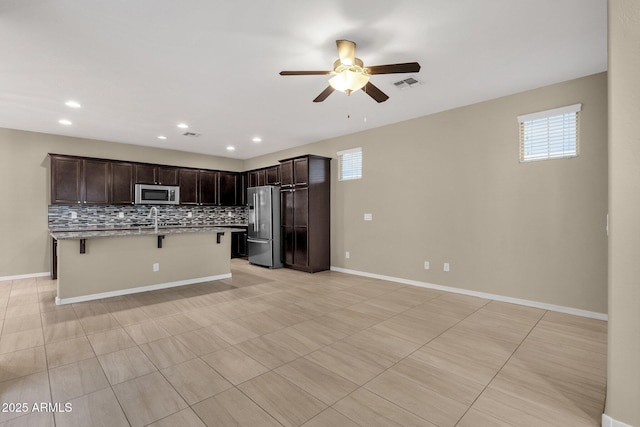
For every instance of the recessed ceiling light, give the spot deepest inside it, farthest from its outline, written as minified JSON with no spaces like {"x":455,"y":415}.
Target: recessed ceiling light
{"x":162,"y":137}
{"x":231,"y":148}
{"x":72,"y":104}
{"x":65,"y":122}
{"x":183,"y":125}
{"x":257,"y":139}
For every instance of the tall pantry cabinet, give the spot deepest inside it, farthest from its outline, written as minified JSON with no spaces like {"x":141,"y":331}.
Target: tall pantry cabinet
{"x":305,"y":212}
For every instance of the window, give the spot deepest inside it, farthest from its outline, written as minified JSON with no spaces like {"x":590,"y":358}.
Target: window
{"x":350,"y":164}
{"x":551,"y":134}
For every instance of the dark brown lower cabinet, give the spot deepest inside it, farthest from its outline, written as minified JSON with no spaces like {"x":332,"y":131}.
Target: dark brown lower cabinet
{"x":239,"y":248}
{"x":295,"y":251}
{"x":288,"y":245}
{"x":301,"y":251}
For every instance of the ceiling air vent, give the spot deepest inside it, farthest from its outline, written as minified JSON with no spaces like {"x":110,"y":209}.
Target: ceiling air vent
{"x":191,"y":134}
{"x":407,"y":83}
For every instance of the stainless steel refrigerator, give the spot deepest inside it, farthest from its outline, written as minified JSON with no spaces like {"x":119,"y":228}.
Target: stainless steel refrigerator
{"x":264,"y":226}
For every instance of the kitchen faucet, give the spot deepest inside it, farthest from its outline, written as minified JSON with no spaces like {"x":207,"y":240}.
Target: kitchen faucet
{"x":154,"y":211}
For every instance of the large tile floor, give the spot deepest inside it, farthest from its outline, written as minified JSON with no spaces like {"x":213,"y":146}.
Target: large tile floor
{"x":279,"y":347}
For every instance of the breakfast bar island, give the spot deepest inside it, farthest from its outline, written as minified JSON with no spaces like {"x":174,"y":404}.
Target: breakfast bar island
{"x":102,"y":263}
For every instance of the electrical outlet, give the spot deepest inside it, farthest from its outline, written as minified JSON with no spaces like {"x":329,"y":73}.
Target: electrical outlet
{"x":446,"y":266}
{"x":368,"y":217}
{"x":156,"y":266}
{"x":346,"y":254}
{"x":74,"y":215}
{"x":189,"y":214}
{"x":120,"y":214}
{"x":426,"y":265}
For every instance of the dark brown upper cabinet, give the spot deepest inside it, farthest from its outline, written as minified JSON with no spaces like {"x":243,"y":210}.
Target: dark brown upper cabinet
{"x":66,"y":180}
{"x":301,"y":171}
{"x":286,"y":173}
{"x":189,"y":190}
{"x":294,"y":172}
{"x":155,"y":174}
{"x":86,"y":180}
{"x":272,"y":175}
{"x":145,"y":174}
{"x":96,"y":181}
{"x":241,"y":189}
{"x":208,"y":187}
{"x":264,"y":176}
{"x":198,"y":187}
{"x":257,"y":178}
{"x":76,"y":180}
{"x":122,"y":183}
{"x":228,"y":183}
{"x":168,"y":175}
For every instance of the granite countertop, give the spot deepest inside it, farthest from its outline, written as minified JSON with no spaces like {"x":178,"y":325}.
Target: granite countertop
{"x":99,"y":232}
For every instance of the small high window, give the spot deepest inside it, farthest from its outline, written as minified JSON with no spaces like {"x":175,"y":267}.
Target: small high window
{"x":551,"y":134}
{"x":350,"y":164}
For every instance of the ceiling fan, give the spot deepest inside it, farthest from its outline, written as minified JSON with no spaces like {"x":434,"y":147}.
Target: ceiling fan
{"x":350,"y":74}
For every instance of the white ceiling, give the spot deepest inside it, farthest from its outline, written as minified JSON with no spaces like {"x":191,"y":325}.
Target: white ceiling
{"x":140,"y":67}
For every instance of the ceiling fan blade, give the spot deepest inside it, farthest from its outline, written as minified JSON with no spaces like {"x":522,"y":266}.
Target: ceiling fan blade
{"x":407,"y":67}
{"x":375,"y":93}
{"x":346,"y":51}
{"x":325,"y":93}
{"x":305,"y":73}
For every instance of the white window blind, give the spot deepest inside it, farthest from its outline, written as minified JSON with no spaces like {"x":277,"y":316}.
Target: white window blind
{"x":350,"y":164}
{"x":550,"y":134}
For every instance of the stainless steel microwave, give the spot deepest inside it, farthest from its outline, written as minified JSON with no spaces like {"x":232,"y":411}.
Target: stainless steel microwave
{"x":149,"y":194}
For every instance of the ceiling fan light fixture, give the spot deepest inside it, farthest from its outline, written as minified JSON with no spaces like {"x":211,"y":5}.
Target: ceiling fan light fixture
{"x":349,"y":78}
{"x":349,"y":73}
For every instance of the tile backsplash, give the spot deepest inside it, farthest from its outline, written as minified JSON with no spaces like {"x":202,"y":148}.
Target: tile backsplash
{"x":77,"y":217}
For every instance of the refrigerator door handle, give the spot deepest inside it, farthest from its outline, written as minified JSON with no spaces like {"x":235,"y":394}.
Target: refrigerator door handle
{"x":255,"y":212}
{"x":264,"y":242}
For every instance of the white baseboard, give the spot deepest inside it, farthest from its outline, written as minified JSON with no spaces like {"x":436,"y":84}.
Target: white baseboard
{"x":73,"y":300}
{"x":24,"y":276}
{"x":528,"y":303}
{"x":607,"y":421}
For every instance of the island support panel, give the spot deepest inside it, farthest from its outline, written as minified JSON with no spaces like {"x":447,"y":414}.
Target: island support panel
{"x":123,"y":265}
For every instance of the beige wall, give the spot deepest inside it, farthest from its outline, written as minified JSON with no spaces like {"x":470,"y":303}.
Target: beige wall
{"x":449,"y":188}
{"x":442,"y":188}
{"x":623,"y":379}
{"x":24,"y":189}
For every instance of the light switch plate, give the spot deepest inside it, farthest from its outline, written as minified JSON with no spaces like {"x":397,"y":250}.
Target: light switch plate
{"x":368,"y":217}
